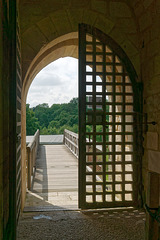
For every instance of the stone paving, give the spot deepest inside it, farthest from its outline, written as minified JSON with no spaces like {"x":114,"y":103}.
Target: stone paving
{"x":82,"y":225}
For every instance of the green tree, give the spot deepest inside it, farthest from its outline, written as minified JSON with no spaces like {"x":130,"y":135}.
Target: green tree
{"x":32,"y":123}
{"x":54,"y":119}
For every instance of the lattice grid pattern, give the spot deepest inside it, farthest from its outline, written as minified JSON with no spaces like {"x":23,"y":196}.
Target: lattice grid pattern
{"x":108,"y":133}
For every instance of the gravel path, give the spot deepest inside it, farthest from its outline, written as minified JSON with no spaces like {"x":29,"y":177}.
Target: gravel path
{"x":82,"y":225}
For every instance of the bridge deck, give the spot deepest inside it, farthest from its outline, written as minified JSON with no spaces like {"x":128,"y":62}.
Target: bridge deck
{"x":55,"y":182}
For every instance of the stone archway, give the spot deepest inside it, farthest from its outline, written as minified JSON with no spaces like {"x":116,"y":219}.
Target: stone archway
{"x":50,"y":31}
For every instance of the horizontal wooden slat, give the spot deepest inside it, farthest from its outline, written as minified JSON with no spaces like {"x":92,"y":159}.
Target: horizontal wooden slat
{"x":19,"y":87}
{"x":18,"y":111}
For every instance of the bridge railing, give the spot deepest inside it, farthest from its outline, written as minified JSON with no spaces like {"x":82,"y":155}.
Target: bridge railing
{"x":32,"y":149}
{"x":71,"y":141}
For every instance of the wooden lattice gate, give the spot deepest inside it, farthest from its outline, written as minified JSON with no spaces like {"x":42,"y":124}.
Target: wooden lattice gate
{"x":109,"y":157}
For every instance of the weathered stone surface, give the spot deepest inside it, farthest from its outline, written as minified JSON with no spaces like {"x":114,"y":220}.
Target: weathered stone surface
{"x":147,"y":3}
{"x":136,"y":63}
{"x":126,"y":25}
{"x":104,"y":24}
{"x":89,"y":17}
{"x":154,"y":161}
{"x":129,"y":48}
{"x":29,"y":53}
{"x":153,"y":47}
{"x":47,"y":27}
{"x":32,"y":36}
{"x":139,"y":8}
{"x":75,"y":16}
{"x":100,"y":6}
{"x":120,"y":9}
{"x":152,"y":140}
{"x":157,"y":65}
{"x":145,"y":21}
{"x":61,"y":22}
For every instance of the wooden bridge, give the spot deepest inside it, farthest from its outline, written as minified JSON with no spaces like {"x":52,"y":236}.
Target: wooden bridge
{"x":52,"y":177}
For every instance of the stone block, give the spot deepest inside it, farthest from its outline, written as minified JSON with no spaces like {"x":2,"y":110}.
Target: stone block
{"x":157,"y":64}
{"x":75,"y":17}
{"x":145,"y":21}
{"x":89,"y":17}
{"x":34,"y":38}
{"x":126,"y":25}
{"x":61,"y":22}
{"x":152,"y":85}
{"x":139,"y":9}
{"x":155,"y":86}
{"x":48,"y":28}
{"x":156,"y":102}
{"x":117,"y":36}
{"x":152,"y":140}
{"x":136,"y":63}
{"x":155,"y":30}
{"x":99,"y":6}
{"x":104,"y":24}
{"x":154,"y":47}
{"x":148,"y":69}
{"x":158,"y":7}
{"x":28,"y":52}
{"x":154,"y":161}
{"x":147,"y":3}
{"x":79,"y":4}
{"x":32,"y":13}
{"x":129,"y":48}
{"x":119,"y":9}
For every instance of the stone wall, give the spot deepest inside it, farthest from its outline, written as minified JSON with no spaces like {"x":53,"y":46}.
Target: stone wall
{"x":42,"y":23}
{"x":148,"y":15}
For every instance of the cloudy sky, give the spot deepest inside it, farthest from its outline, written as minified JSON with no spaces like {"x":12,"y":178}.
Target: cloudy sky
{"x":56,"y":83}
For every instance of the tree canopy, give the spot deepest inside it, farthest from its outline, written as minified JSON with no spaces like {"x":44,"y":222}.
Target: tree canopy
{"x":52,"y":120}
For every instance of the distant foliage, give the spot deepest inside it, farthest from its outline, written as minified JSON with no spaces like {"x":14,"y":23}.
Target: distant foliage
{"x":52,"y":120}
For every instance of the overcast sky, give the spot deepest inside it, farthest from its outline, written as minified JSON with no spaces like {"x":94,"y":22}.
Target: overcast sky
{"x":56,"y":83}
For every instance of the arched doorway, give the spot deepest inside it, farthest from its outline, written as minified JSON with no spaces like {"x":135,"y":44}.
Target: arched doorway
{"x":109,"y":103}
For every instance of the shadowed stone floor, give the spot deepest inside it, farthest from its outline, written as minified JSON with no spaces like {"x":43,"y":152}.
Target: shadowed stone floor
{"x":82,"y":225}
